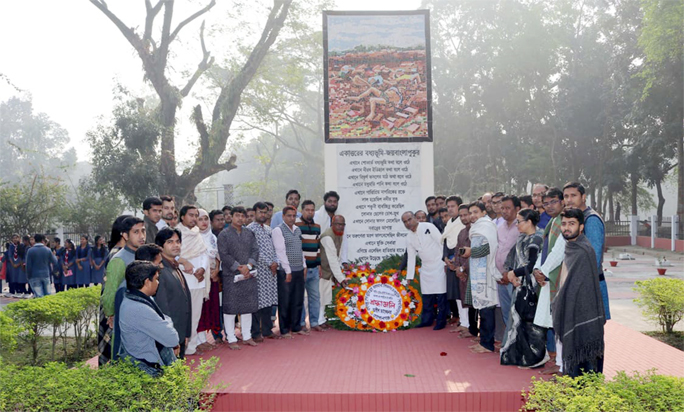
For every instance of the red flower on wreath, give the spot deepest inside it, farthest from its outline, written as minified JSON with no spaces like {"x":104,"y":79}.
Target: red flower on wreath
{"x":382,"y":325}
{"x":371,"y":280}
{"x":396,"y":324}
{"x":343,"y":299}
{"x":360,"y":297}
{"x":383,"y":280}
{"x":363,"y":310}
{"x":404,"y":316}
{"x":407,"y":304}
{"x":397,"y":283}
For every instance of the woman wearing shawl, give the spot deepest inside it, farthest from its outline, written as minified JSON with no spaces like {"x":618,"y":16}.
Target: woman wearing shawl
{"x":210,"y":320}
{"x":483,"y":273}
{"x":194,"y":250}
{"x":83,"y":258}
{"x":524,"y":342}
{"x":100,"y":253}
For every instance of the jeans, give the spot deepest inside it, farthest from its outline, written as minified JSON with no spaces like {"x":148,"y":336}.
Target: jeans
{"x":505,"y":297}
{"x":290,"y":301}
{"x":487,"y":327}
{"x":551,"y":340}
{"x":314,"y":297}
{"x":40,"y":286}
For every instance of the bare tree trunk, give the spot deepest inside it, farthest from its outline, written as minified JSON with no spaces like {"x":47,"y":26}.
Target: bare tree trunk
{"x":661,"y":201}
{"x":610,"y":205}
{"x":635,"y":182}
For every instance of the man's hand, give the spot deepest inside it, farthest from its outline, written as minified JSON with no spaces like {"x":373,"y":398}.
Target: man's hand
{"x":199,"y":274}
{"x":540,"y":277}
{"x":176,"y":350}
{"x":79,"y":265}
{"x":214,"y":275}
{"x":110,"y":322}
{"x":344,"y":283}
{"x":346,"y":266}
{"x":288,"y":278}
{"x":274,"y":268}
{"x":512,"y":278}
{"x":244,"y":270}
{"x":187,"y":266}
{"x":466,"y":254}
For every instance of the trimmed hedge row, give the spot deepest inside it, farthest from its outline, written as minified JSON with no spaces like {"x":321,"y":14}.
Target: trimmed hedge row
{"x":592,"y":392}
{"x":75,"y":308}
{"x":117,"y":387}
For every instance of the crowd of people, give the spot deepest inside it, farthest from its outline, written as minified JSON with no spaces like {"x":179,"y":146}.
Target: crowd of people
{"x":519,"y":275}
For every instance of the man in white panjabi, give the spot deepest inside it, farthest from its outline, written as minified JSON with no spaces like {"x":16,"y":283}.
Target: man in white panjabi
{"x":194,"y":250}
{"x":324,"y":218}
{"x":425,"y":241}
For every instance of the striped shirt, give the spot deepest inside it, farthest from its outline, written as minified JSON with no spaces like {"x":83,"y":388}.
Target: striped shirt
{"x":311,"y":235}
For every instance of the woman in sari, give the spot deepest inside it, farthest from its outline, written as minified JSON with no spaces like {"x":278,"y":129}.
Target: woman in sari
{"x":524,"y":342}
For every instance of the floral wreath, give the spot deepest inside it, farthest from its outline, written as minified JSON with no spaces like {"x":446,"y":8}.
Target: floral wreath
{"x":349,"y":311}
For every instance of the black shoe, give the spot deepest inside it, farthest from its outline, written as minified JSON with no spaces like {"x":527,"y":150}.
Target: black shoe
{"x":439,"y":326}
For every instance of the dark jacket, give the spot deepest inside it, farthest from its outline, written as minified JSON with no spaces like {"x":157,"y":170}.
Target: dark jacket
{"x":151,"y":230}
{"x":173,"y":298}
{"x":39,"y":262}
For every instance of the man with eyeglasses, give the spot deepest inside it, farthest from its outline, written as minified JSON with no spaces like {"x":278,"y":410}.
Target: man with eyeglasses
{"x":538,"y":191}
{"x":496,"y":207}
{"x":332,"y":242}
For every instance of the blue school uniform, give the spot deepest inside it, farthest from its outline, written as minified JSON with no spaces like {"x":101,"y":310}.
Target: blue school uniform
{"x":58,"y":272}
{"x":83,"y":274}
{"x":99,"y":256}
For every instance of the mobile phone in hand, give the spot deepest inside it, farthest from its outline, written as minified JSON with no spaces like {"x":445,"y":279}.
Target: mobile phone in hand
{"x":461,"y":251}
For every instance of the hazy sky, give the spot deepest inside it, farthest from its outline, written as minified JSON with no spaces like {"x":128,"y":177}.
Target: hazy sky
{"x":69,"y":56}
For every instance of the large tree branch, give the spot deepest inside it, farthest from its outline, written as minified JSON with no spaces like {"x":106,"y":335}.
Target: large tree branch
{"x":152,"y":12}
{"x":128,"y":33}
{"x":205,"y":64}
{"x":191,"y":18}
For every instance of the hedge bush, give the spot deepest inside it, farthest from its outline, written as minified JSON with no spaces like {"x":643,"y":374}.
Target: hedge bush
{"x":116,"y":387}
{"x":661,"y":300}
{"x":8,"y":333}
{"x":75,"y":308}
{"x":591,"y":392}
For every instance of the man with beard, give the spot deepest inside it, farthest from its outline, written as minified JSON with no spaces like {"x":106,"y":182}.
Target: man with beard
{"x":292,"y":199}
{"x":483,"y":274}
{"x":497,"y":199}
{"x":575,"y":196}
{"x":578,"y":310}
{"x":507,"y":235}
{"x":487,"y":200}
{"x":324,"y":218}
{"x":269,"y":213}
{"x":167,"y":213}
{"x":424,"y":240}
{"x":227,"y":216}
{"x":267,"y":281}
{"x":311,"y":235}
{"x":152,"y":209}
{"x":433,"y":213}
{"x":461,"y":265}
{"x":331,"y":250}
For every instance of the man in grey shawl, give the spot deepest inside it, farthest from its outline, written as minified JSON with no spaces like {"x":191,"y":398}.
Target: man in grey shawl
{"x":578,"y":311}
{"x":239,"y":253}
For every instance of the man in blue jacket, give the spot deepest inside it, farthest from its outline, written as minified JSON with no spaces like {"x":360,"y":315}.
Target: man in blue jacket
{"x":39,"y":263}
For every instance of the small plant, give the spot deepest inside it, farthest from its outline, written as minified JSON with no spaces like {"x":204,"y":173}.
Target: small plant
{"x":661,"y":301}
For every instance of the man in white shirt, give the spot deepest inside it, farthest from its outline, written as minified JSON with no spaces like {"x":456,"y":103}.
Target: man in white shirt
{"x":425,"y":240}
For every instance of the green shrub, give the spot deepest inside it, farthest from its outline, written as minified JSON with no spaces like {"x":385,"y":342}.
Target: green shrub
{"x":661,"y":300}
{"x":591,"y":392}
{"x":77,"y":308}
{"x":118,"y":386}
{"x":8,"y":333}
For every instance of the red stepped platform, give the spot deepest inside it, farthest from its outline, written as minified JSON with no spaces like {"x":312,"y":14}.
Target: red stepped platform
{"x":344,"y":371}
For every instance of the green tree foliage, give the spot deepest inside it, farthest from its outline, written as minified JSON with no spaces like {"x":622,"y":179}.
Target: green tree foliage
{"x":30,"y":142}
{"x":661,"y":301}
{"x":34,"y":205}
{"x":93,"y":209}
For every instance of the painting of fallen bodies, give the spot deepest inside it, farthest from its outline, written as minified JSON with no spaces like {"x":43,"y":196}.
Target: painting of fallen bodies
{"x":377,"y":76}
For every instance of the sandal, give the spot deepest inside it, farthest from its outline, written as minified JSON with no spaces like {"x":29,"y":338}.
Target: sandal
{"x":250,"y":343}
{"x":234,"y":346}
{"x":480,"y":349}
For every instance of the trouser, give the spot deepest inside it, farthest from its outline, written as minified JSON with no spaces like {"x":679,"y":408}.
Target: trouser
{"x":40,"y":286}
{"x":505,"y":296}
{"x":551,"y":340}
{"x":59,"y":287}
{"x":453,"y":308}
{"x":463,"y":314}
{"x":197,"y":299}
{"x":487,"y":327}
{"x":604,"y":297}
{"x":325,"y":291}
{"x":181,"y":353}
{"x":290,"y":301}
{"x":262,"y":323}
{"x":313,"y":297}
{"x":473,"y":321}
{"x":429,"y":302}
{"x":245,"y":326}
{"x":499,"y":325}
{"x":20,"y":288}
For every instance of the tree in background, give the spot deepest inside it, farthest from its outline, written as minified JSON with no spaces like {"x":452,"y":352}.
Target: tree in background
{"x":214,"y":132}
